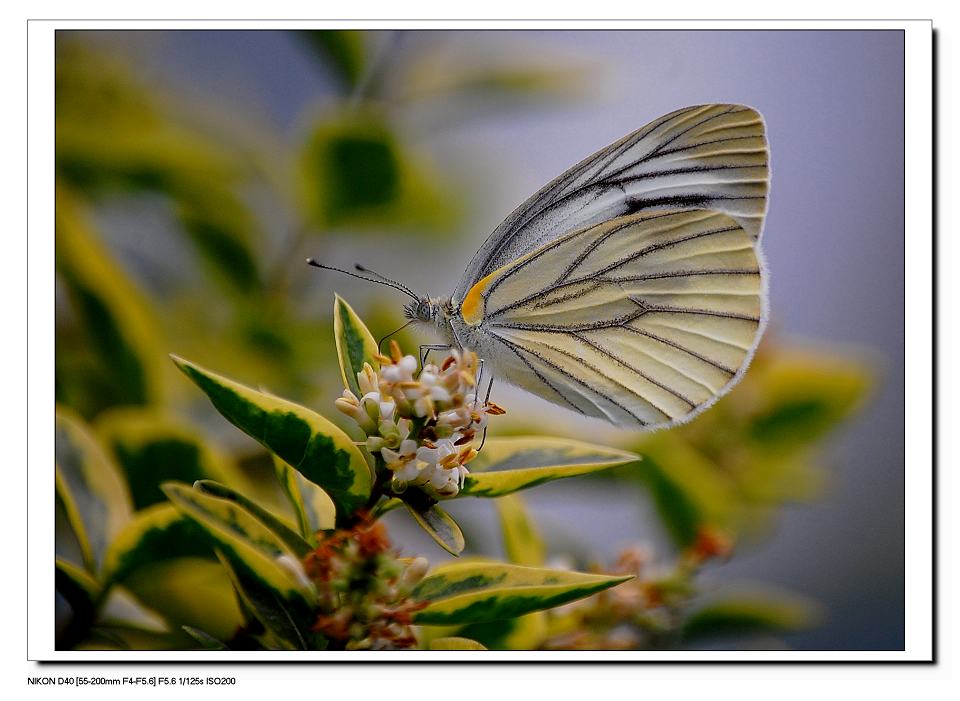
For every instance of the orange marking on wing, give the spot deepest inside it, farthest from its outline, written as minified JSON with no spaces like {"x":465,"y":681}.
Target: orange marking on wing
{"x":472,"y":307}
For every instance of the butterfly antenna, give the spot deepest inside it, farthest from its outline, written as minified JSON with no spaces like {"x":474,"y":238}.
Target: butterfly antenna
{"x":379,"y":279}
{"x":385,"y":280}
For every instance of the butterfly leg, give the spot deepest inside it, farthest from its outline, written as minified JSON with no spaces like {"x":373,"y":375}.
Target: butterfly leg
{"x":426,"y":348}
{"x":476,"y":391}
{"x":485,"y":400}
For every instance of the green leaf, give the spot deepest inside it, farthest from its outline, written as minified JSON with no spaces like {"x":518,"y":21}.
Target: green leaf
{"x":454,"y":82}
{"x":313,"y":507}
{"x":757,"y":615}
{"x":469,"y":592}
{"x":221,"y":229}
{"x":298,"y":546}
{"x":116,"y":137}
{"x":91,"y":488}
{"x":385,"y":506}
{"x":679,"y":514}
{"x":247,"y":542}
{"x":805,"y":395}
{"x":129,"y":637}
{"x":117,"y":326}
{"x":207,"y":641}
{"x":314,"y":446}
{"x":689,"y":490}
{"x":455,"y":643}
{"x":521,"y":539}
{"x":289,"y":619}
{"x":355,"y":172}
{"x":342,"y":51}
{"x":355,"y":344}
{"x":506,"y":465}
{"x":521,"y":633}
{"x":79,"y":588}
{"x":153,"y":448}
{"x":153,"y":535}
{"x":193,"y":591}
{"x":439,"y":525}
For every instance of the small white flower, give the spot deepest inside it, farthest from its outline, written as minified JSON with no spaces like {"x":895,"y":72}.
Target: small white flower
{"x":439,"y":479}
{"x":407,"y":473}
{"x":424,"y":473}
{"x":387,"y":407}
{"x":423,"y":406}
{"x":439,"y":394}
{"x":401,"y":371}
{"x":408,"y":364}
{"x":428,"y":455}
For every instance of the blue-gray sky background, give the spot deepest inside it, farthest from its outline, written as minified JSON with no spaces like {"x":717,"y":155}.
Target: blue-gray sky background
{"x":834,"y":239}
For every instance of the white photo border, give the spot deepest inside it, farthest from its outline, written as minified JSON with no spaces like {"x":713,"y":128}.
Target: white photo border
{"x":920,"y":629}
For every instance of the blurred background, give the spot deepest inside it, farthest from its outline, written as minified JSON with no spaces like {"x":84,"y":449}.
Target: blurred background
{"x":197,"y":169}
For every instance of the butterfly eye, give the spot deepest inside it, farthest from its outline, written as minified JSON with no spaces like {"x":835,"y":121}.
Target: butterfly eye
{"x":423,"y":311}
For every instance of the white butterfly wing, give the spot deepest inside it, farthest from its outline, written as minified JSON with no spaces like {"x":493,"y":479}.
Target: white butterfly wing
{"x":702,"y":157}
{"x":643,"y":320}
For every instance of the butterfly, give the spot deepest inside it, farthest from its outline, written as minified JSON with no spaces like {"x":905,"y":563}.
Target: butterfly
{"x":632,"y":287}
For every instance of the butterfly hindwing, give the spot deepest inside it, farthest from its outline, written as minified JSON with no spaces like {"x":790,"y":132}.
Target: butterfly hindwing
{"x":642,"y":320}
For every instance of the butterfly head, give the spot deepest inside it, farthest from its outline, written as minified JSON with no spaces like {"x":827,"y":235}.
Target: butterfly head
{"x":429,"y":310}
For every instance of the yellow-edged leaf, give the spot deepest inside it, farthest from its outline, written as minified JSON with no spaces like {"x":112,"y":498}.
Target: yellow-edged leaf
{"x":157,"y":533}
{"x":313,"y":507}
{"x":244,"y":540}
{"x":355,"y":344}
{"x":311,"y":444}
{"x":472,"y":591}
{"x":91,"y":488}
{"x":78,"y":587}
{"x":506,"y":465}
{"x":188,"y":591}
{"x":521,"y":539}
{"x":455,"y":643}
{"x":153,"y":447}
{"x":119,"y":324}
{"x":440,"y":526}
{"x":298,"y":546}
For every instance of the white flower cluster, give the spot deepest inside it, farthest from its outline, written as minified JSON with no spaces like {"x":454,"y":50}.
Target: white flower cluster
{"x":422,"y":425}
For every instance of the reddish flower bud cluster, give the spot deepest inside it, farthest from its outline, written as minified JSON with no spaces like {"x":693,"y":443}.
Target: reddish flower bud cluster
{"x":364,"y":589}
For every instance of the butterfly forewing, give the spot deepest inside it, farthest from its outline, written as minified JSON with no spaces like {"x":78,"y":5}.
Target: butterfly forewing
{"x":704,"y":157}
{"x":644,"y":319}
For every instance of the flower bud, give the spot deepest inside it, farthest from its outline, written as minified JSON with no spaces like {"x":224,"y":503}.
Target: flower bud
{"x":367,"y":379}
{"x":415,"y":571}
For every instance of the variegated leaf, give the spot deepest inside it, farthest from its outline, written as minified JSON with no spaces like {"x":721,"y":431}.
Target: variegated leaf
{"x":473,"y":591}
{"x":506,"y":465}
{"x":440,"y":526}
{"x":152,"y":447}
{"x":92,"y":490}
{"x":160,"y":532}
{"x":313,"y":507}
{"x":521,"y":540}
{"x":355,"y":344}
{"x":455,"y":643}
{"x":246,"y":541}
{"x":314,"y":446}
{"x":298,"y":546}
